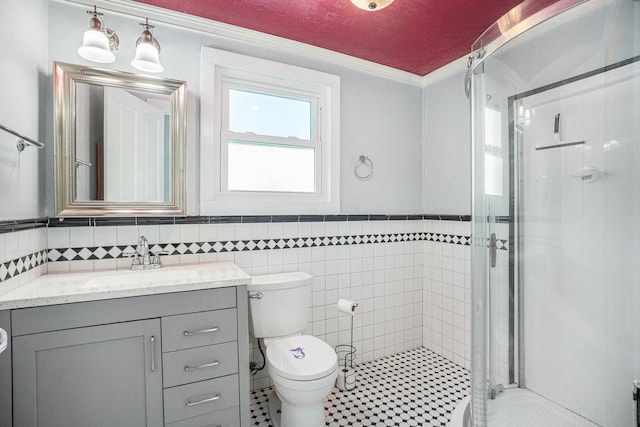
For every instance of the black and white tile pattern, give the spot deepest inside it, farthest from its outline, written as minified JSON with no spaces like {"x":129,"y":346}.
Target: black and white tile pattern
{"x":14,"y":267}
{"x":189,"y":248}
{"x":412,"y":388}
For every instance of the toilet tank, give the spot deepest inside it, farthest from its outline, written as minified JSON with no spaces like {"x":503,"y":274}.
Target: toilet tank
{"x":285,"y":304}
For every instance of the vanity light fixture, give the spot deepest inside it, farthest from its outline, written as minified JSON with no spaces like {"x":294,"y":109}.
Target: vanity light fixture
{"x":372,"y":5}
{"x":147,"y":51}
{"x":98,"y":42}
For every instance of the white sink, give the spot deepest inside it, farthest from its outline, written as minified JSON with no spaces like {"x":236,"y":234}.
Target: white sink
{"x":62,"y":288}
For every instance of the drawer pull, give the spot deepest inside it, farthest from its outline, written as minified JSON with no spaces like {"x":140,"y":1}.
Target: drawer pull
{"x":198,"y":402}
{"x":152,"y":350}
{"x":206,"y":365}
{"x":200,"y":331}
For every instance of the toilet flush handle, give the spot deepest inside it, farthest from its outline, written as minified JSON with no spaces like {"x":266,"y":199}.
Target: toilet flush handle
{"x":256,"y":295}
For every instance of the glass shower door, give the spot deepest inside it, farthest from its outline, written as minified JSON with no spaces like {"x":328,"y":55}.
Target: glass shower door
{"x":556,"y":129}
{"x":490,"y":258}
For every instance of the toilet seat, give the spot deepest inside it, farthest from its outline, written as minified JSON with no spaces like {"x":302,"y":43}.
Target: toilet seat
{"x":301,"y":358}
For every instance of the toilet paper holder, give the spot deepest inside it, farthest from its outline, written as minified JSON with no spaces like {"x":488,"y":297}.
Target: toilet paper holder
{"x":346,"y":379}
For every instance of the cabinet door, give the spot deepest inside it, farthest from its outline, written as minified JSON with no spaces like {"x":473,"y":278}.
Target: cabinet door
{"x":108,"y":375}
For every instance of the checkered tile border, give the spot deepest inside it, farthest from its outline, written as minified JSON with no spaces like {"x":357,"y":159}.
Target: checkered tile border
{"x":10,"y":269}
{"x":502,"y":245}
{"x":187,"y":248}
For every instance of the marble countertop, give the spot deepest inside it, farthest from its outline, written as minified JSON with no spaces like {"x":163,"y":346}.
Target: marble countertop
{"x":51,"y":289}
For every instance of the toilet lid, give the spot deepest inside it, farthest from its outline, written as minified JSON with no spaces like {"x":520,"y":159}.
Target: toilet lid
{"x":301,"y":358}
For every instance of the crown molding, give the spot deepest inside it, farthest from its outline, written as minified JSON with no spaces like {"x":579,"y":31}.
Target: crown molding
{"x":232,"y":32}
{"x":458,"y":66}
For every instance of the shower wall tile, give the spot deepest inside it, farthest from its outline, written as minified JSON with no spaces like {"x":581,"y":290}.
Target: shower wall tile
{"x":446,"y":314}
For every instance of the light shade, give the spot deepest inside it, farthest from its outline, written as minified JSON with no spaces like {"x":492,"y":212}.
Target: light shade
{"x":95,"y":47}
{"x":372,"y":5}
{"x":147,"y":52}
{"x":98,"y":42}
{"x":147,"y":58}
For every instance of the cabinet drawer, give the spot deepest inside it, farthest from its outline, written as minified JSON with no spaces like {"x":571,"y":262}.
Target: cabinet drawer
{"x":65,"y":316}
{"x":199,"y":329}
{"x":200,"y":363}
{"x":224,"y":418}
{"x":200,"y":398}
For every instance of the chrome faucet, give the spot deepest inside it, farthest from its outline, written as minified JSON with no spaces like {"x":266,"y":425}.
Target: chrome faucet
{"x":143,"y":250}
{"x":142,"y":259}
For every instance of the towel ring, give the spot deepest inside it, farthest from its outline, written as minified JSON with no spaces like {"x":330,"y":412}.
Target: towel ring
{"x":364,"y":168}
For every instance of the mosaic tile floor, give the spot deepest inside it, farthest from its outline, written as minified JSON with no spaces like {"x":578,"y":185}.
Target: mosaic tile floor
{"x":412,"y":388}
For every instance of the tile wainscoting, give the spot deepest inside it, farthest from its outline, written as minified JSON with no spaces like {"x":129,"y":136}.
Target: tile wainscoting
{"x":23,"y":257}
{"x":410,"y":274}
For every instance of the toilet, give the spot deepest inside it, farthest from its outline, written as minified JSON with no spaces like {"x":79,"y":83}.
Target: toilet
{"x":303,"y":368}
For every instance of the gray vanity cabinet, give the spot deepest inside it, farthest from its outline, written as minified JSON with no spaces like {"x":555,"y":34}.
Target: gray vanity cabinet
{"x":108,"y":375}
{"x":177,"y":359}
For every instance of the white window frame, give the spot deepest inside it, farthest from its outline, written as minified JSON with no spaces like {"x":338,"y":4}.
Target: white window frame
{"x":226,"y":134}
{"x":221,"y":70}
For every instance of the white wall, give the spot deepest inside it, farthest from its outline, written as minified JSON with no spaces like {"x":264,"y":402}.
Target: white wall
{"x":23,"y":74}
{"x":380,"y":118}
{"x":446,"y":187}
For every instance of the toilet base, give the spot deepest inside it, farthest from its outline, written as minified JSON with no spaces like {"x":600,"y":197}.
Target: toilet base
{"x":285,"y":415}
{"x":275,"y":409}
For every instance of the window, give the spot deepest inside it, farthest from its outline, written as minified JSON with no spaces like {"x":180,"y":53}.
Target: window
{"x":269,"y":137}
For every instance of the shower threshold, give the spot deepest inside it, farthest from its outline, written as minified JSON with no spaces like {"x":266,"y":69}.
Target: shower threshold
{"x":524,"y":408}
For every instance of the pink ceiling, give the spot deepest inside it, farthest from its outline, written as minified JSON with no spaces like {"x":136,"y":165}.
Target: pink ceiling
{"x":417,"y":36}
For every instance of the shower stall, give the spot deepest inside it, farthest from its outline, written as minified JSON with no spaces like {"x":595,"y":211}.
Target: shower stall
{"x":555,"y":105}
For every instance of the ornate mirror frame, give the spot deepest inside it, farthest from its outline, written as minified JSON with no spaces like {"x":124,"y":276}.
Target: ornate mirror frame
{"x":66,"y":76}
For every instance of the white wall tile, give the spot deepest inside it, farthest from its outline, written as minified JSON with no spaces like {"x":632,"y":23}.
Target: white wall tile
{"x":127,"y":235}
{"x":58,"y":267}
{"x":226,"y":232}
{"x":446,"y":287}
{"x":58,"y":237}
{"x":81,"y":266}
{"x":80,"y":237}
{"x":189,"y":233}
{"x":290,"y":229}
{"x":208,"y":232}
{"x":410,"y":293}
{"x":257,"y":231}
{"x":151,"y":232}
{"x":102,"y":236}
{"x":275,"y":230}
{"x":27,"y":242}
{"x":104,"y":264}
{"x":3,"y":252}
{"x":243,"y":259}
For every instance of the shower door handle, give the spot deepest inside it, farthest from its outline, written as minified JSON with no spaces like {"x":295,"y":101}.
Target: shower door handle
{"x":493,"y":248}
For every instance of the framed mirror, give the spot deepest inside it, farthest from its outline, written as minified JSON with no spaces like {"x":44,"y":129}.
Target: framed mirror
{"x":119,"y":143}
